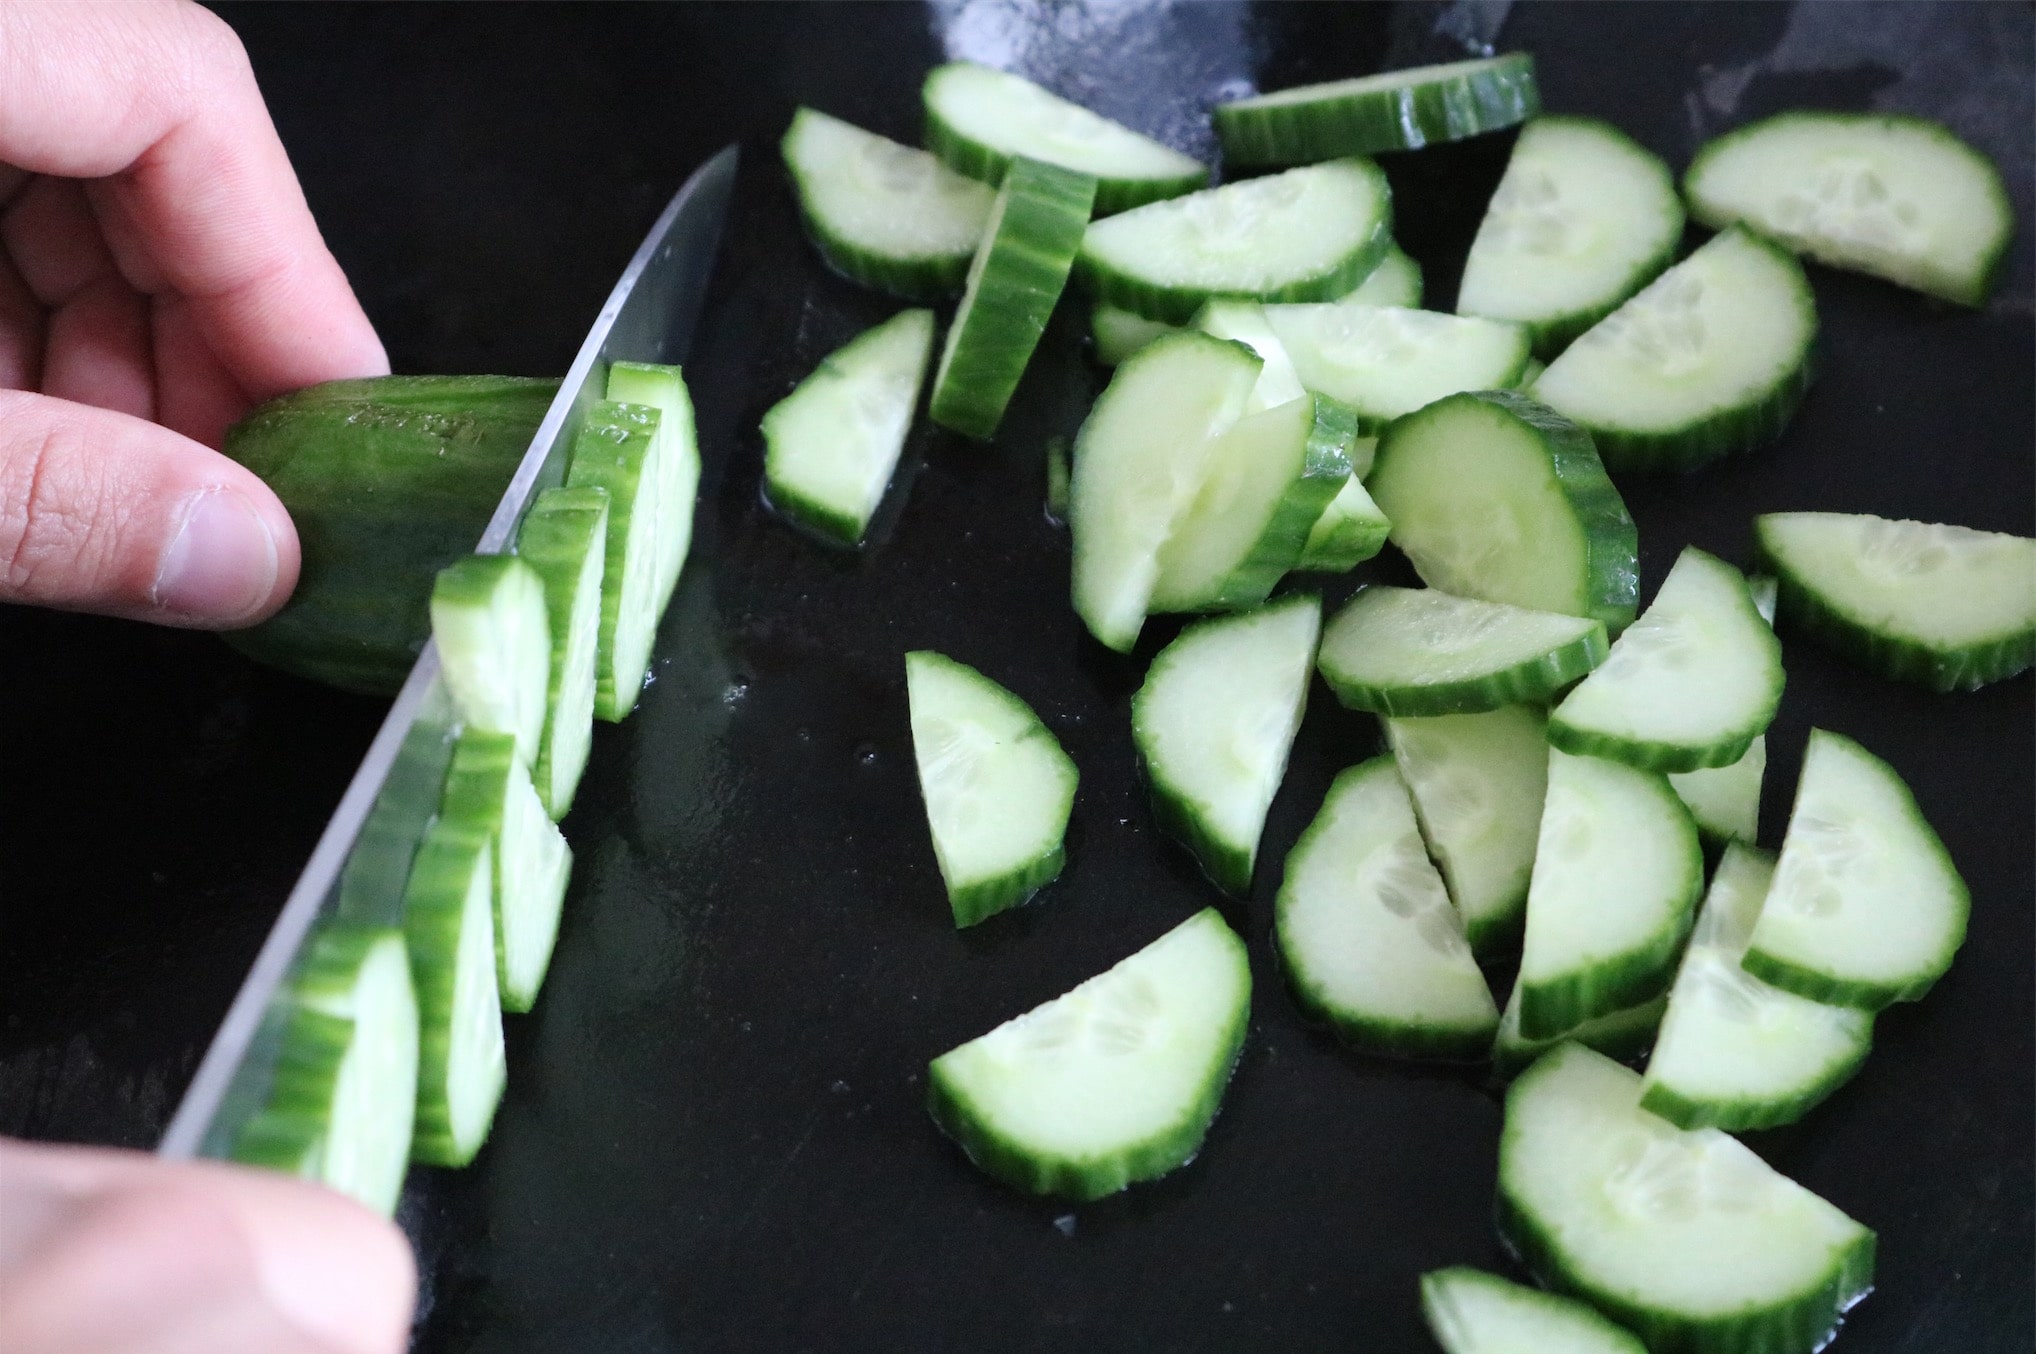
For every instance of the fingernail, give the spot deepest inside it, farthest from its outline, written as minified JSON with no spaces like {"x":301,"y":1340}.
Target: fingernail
{"x":221,"y":565}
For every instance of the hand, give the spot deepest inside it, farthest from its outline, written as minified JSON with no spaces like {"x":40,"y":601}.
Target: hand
{"x":159,"y":274}
{"x":117,"y":1253}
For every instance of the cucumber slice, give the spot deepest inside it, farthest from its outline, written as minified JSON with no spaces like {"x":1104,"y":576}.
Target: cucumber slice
{"x":1690,"y":684}
{"x":1214,"y":723}
{"x":1866,"y":907}
{"x":1472,"y":1312}
{"x":1139,"y":462}
{"x":661,"y":387}
{"x":1622,"y":1035}
{"x":488,"y":794}
{"x":1017,"y":275}
{"x":617,"y":453}
{"x":1617,"y":871}
{"x":1395,"y":282}
{"x":1394,"y":110}
{"x":1415,"y":651}
{"x":1115,"y":1082}
{"x":494,"y":645}
{"x":997,"y":786}
{"x":1711,"y":357}
{"x":1946,"y":606}
{"x":1494,"y":496}
{"x":1583,"y":218}
{"x":1725,"y":800}
{"x":1735,"y":1053}
{"x":1118,"y":332}
{"x":1305,"y":235}
{"x":1384,"y":361}
{"x":1367,"y":935}
{"x":1899,"y":197}
{"x":449,"y":925}
{"x":1478,"y":782}
{"x":1685,"y":1237}
{"x":978,"y":120}
{"x":1059,"y":480}
{"x":885,"y":215}
{"x":1351,"y":529}
{"x":564,"y":537}
{"x":1244,"y":322}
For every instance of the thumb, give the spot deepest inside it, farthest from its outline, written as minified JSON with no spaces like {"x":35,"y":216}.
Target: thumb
{"x":103,"y":512}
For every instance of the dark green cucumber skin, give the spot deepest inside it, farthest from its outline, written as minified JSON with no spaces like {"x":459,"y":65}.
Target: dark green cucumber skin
{"x":558,"y":532}
{"x":1325,"y":465}
{"x":1228,"y":868}
{"x":983,"y":901}
{"x":1407,"y":119}
{"x":294,"y":1120}
{"x":1854,"y":992}
{"x":1549,"y":1008}
{"x":437,"y":892}
{"x":1743,"y":1114}
{"x":389,"y":480}
{"x":1394,"y":1038}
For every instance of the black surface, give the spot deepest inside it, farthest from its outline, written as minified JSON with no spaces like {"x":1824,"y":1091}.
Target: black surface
{"x":713,"y":1138}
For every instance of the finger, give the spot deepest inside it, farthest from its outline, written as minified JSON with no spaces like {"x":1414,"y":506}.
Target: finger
{"x":106,"y":513}
{"x":96,"y":350}
{"x":21,"y":320}
{"x":51,"y":233}
{"x":195,"y":394}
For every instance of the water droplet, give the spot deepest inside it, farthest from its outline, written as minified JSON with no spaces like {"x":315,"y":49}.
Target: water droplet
{"x":866,"y":754}
{"x":838,"y":1087}
{"x":1065,"y":1224}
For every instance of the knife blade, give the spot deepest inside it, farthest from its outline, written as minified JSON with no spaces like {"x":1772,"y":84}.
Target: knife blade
{"x":365,"y":851}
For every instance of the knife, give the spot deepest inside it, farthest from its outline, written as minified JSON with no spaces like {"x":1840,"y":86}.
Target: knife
{"x":365,"y":851}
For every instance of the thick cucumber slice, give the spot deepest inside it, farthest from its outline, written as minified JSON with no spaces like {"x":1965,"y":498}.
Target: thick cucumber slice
{"x":1583,"y":218}
{"x":1017,"y":275}
{"x":1899,"y":197}
{"x":1478,"y":782}
{"x":1113,"y":1083}
{"x":978,"y":120}
{"x":1622,"y":1035}
{"x":1472,"y":1312}
{"x":1946,"y":606}
{"x":1139,"y":462}
{"x":564,"y":537}
{"x":1214,"y":723}
{"x":662,"y":387}
{"x":1866,"y":907}
{"x":1690,"y":684}
{"x":1494,"y":496}
{"x":885,"y":215}
{"x":1617,"y":871}
{"x":1711,"y":357}
{"x":617,"y":453}
{"x":1305,"y":235}
{"x":1686,"y":1238}
{"x":449,"y":925}
{"x":1245,"y":322}
{"x":1395,"y":282}
{"x":997,"y":786}
{"x":1267,"y":481}
{"x":830,"y":446}
{"x":1366,"y":932}
{"x":1735,"y":1053}
{"x":1384,"y":362}
{"x":1415,"y":651}
{"x":1725,"y":800}
{"x":494,"y":644}
{"x":1395,"y":110}
{"x":1351,"y":529}
{"x":488,"y":794}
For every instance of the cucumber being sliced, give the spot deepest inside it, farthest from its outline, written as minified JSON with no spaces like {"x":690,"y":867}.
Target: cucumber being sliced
{"x":885,"y":215}
{"x":1214,"y":723}
{"x":1621,"y":1035}
{"x":1494,"y":496}
{"x":1415,"y":651}
{"x":1900,"y":197}
{"x":1394,"y":110}
{"x":997,"y":786}
{"x":1711,"y":357}
{"x":1583,"y":218}
{"x":1115,"y":1082}
{"x":1725,"y":800}
{"x":660,"y":386}
{"x":1017,"y":275}
{"x":450,"y":928}
{"x":1395,"y":282}
{"x":978,"y":120}
{"x":1351,"y":529}
{"x":494,"y":645}
{"x":1685,"y":1237}
{"x":1946,"y":606}
{"x":1367,"y":935}
{"x":488,"y":794}
{"x":564,"y":537}
{"x":831,"y":445}
{"x":1866,"y":908}
{"x":617,"y":453}
{"x":1384,"y":361}
{"x":1472,"y":1312}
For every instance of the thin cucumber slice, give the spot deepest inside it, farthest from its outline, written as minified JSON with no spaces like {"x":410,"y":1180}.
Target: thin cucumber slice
{"x":1139,"y":462}
{"x":1395,"y":282}
{"x":1617,"y":871}
{"x":1735,"y":1053}
{"x":1725,"y":800}
{"x":1478,"y":782}
{"x":1472,"y":1312}
{"x":1415,"y":651}
{"x":1244,"y":322}
{"x":1583,"y":218}
{"x":1711,"y":357}
{"x":1866,"y":908}
{"x":1367,"y":935}
{"x":1946,"y":606}
{"x":1494,"y":496}
{"x":978,"y":120}
{"x":617,"y":453}
{"x":1115,"y":1082}
{"x":1351,"y":529}
{"x":1118,"y":332}
{"x":1621,"y":1035}
{"x":997,"y":786}
{"x":494,"y":645}
{"x":1395,"y":110}
{"x":1384,"y":361}
{"x":488,"y":793}
{"x":1305,"y":235}
{"x":1214,"y":723}
{"x":1899,"y":197}
{"x":1017,"y":275}
{"x":1685,"y":1237}
{"x":660,"y":386}
{"x":885,"y":215}
{"x":450,"y":927}
{"x":1690,"y":684}
{"x":564,"y":537}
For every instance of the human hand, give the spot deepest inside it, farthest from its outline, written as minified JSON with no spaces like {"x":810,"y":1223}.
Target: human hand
{"x":159,"y":274}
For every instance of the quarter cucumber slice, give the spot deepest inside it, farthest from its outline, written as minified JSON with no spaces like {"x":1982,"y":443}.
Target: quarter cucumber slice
{"x":1622,"y":1035}
{"x":617,"y":452}
{"x":1351,"y":529}
{"x":1115,"y":1082}
{"x":1384,"y":362}
{"x":488,"y":794}
{"x":1415,"y":651}
{"x":660,"y":386}
{"x":1472,"y":1312}
{"x":494,"y":644}
{"x":1395,"y":110}
{"x":450,"y":928}
{"x":1725,"y":800}
{"x":564,"y":537}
